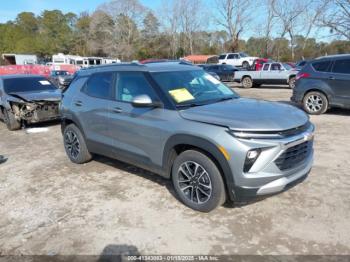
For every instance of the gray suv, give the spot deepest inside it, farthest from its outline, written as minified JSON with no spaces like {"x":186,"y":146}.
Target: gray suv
{"x":178,"y":121}
{"x":323,"y":83}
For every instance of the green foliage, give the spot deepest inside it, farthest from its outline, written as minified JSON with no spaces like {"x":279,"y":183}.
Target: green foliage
{"x":126,"y":37}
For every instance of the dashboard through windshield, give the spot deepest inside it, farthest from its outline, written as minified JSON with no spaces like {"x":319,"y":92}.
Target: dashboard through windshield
{"x":192,"y":87}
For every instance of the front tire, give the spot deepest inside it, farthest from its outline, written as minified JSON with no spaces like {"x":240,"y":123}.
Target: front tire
{"x":291,"y":82}
{"x":315,"y":103}
{"x":198,"y":181}
{"x":10,"y":120}
{"x":247,"y":82}
{"x":75,"y":146}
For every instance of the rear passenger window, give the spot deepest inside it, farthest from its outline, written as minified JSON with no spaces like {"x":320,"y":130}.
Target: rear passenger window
{"x":342,"y":66}
{"x":100,"y":85}
{"x":131,"y":84}
{"x":266,"y":67}
{"x":231,"y":56}
{"x":322,"y":66}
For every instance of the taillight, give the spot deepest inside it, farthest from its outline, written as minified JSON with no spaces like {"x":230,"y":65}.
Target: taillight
{"x":302,"y":75}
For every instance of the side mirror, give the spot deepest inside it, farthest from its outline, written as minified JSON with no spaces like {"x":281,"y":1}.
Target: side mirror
{"x":144,"y":101}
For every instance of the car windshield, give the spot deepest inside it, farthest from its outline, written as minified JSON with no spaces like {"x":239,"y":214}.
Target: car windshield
{"x":27,"y":84}
{"x":191,"y":88}
{"x":243,"y":55}
{"x":287,"y":66}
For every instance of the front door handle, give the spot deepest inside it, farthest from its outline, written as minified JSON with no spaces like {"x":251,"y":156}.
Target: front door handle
{"x":117,"y":110}
{"x":78,"y":103}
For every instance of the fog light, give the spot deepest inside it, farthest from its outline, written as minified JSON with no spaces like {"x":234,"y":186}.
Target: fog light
{"x":251,"y":157}
{"x":252,"y":154}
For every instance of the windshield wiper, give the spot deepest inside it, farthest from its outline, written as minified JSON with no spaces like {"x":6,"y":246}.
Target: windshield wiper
{"x":190,"y":105}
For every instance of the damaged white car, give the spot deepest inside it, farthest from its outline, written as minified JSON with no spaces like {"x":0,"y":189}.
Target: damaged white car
{"x":26,"y":99}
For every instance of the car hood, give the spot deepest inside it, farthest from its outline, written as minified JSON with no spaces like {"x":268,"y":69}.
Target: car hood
{"x":248,"y":115}
{"x":49,"y":95}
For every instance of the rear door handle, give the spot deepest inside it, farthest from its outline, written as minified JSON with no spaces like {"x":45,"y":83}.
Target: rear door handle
{"x":117,"y":110}
{"x":78,"y":103}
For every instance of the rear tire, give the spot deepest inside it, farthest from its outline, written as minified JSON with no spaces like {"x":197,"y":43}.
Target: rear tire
{"x":198,"y":181}
{"x":315,"y":103}
{"x":75,"y":146}
{"x":245,"y":65}
{"x":247,"y":82}
{"x":10,"y":120}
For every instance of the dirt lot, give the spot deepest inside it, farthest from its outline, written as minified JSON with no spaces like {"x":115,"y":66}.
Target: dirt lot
{"x":51,"y":206}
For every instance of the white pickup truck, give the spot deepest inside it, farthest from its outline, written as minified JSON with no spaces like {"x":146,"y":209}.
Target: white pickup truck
{"x":271,"y":74}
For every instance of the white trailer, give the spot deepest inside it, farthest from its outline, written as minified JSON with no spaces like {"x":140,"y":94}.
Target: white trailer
{"x":20,"y":59}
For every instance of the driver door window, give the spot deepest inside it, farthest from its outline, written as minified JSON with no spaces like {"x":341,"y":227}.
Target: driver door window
{"x":132,"y":84}
{"x":276,"y":67}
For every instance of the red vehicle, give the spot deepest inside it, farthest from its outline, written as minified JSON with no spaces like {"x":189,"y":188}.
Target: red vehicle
{"x":258,"y":63}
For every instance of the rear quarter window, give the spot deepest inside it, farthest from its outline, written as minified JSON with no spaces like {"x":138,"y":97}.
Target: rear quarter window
{"x":322,"y":66}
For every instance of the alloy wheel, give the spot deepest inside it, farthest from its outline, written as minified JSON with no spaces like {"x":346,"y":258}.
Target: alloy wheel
{"x":247,"y":83}
{"x":194,"y":182}
{"x":72,"y":144}
{"x":314,"y":103}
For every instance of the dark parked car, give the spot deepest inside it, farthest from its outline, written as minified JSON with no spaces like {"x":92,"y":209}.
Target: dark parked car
{"x":61,"y":78}
{"x":224,"y":71}
{"x":323,"y":83}
{"x":176,"y":120}
{"x":28,"y":99}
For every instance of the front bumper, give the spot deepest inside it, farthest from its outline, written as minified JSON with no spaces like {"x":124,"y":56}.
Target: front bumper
{"x":280,"y":184}
{"x":268,"y":175}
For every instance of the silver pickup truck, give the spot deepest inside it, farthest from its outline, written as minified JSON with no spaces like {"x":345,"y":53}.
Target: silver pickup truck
{"x":271,"y":73}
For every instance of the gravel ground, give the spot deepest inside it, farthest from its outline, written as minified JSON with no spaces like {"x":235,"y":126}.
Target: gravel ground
{"x":50,"y":206}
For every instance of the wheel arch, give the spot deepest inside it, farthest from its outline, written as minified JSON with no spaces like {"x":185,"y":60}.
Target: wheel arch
{"x":65,"y":121}
{"x":313,"y":89}
{"x":290,"y":77}
{"x":182,"y":142}
{"x":246,"y":76}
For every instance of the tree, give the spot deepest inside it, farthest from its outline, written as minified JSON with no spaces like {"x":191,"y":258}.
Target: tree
{"x":288,"y":13}
{"x":170,"y":17}
{"x":337,"y":19}
{"x":191,"y":20}
{"x":233,"y":15}
{"x":149,"y":42}
{"x":82,"y":32}
{"x":127,"y":16}
{"x":125,"y":35}
{"x":101,"y":34}
{"x":56,"y":33}
{"x":28,"y":22}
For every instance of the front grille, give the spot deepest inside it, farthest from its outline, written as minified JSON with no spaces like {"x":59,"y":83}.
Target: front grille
{"x":293,"y":156}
